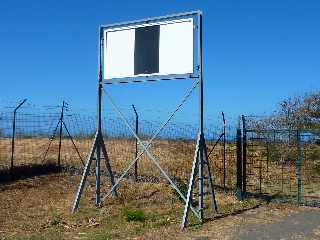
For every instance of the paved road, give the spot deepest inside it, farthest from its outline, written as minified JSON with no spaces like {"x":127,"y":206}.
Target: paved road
{"x":301,"y":225}
{"x":271,"y":222}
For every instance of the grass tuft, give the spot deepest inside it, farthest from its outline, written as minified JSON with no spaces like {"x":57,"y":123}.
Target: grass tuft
{"x":134,"y":215}
{"x":55,"y":220}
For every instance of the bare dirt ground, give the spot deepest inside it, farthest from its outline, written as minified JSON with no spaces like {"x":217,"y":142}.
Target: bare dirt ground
{"x":39,"y":208}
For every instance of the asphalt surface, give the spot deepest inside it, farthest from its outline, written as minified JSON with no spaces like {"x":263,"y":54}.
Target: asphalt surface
{"x":301,"y":225}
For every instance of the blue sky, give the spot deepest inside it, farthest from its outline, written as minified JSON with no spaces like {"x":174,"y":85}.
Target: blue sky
{"x":255,"y":53}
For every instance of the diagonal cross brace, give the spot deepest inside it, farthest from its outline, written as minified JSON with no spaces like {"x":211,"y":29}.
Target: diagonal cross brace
{"x":200,"y":159}
{"x":85,"y":173}
{"x":97,"y":143}
{"x":146,"y":147}
{"x":191,"y":183}
{"x":154,"y":136}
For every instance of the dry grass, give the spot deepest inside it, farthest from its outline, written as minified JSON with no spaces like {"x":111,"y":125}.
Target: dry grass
{"x":39,"y":208}
{"x":277,"y":175}
{"x":175,"y":156}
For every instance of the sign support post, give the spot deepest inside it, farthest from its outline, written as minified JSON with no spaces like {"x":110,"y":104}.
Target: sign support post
{"x":97,"y":146}
{"x":200,"y":158}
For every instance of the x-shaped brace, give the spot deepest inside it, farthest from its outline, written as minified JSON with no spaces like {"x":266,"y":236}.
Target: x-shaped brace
{"x":145,"y":148}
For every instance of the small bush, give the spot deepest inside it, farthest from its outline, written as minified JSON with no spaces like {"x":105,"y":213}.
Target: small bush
{"x":134,"y":215}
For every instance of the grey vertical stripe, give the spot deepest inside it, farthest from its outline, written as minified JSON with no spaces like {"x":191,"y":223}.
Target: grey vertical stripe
{"x":146,"y":50}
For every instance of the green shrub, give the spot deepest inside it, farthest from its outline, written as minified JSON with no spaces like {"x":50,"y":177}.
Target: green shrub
{"x":134,"y":215}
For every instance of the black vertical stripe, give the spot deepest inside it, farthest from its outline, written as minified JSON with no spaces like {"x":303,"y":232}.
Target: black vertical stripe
{"x":146,"y":50}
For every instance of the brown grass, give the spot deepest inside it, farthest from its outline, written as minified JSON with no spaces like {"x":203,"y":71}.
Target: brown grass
{"x":278,"y":175}
{"x":175,"y":156}
{"x":39,"y":208}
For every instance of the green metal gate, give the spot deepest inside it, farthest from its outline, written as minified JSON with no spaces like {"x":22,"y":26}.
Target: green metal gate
{"x":282,"y":164}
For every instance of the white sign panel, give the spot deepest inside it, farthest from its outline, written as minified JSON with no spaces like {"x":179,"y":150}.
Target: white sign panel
{"x":162,"y":48}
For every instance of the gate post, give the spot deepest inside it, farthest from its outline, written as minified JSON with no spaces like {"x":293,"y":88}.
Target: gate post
{"x":298,"y":166}
{"x":244,"y":156}
{"x":239,"y":193}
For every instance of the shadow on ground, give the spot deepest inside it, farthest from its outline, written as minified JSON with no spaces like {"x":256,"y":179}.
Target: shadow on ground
{"x":27,"y":171}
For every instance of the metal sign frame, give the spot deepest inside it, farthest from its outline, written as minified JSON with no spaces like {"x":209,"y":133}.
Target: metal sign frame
{"x":200,"y":162}
{"x":147,"y":21}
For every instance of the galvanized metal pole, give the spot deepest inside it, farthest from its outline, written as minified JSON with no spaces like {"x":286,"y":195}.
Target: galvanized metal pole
{"x":201,"y":115}
{"x":192,"y":179}
{"x":98,"y":176}
{"x":99,"y":108}
{"x":98,"y":143}
{"x":85,"y":174}
{"x":13,"y":135}
{"x":99,"y":102}
{"x":136,"y":143}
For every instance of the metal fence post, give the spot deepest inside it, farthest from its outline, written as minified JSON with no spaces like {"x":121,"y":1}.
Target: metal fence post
{"x":298,"y":166}
{"x":13,"y":136}
{"x":60,"y":133}
{"x":244,"y":156}
{"x":239,"y":165}
{"x":224,"y":151}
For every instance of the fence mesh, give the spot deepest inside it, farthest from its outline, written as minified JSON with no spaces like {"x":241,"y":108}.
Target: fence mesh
{"x":283,"y":163}
{"x":37,"y":143}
